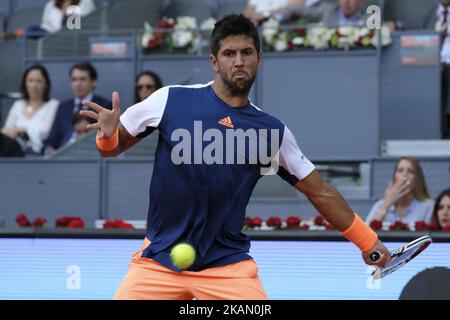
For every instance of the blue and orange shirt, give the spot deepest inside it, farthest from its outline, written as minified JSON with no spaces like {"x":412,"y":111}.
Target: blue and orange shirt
{"x":207,"y":162}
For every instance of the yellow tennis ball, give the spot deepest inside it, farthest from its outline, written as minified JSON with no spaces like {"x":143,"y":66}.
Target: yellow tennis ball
{"x":183,"y":255}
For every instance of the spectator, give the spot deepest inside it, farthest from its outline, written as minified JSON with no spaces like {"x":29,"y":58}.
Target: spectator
{"x":54,"y":17}
{"x":438,"y":22}
{"x":344,"y":13}
{"x":30,"y":119}
{"x":260,"y":10}
{"x":441,"y":210}
{"x":147,"y":82}
{"x":55,"y":13}
{"x":83,"y":79}
{"x":406,"y":198}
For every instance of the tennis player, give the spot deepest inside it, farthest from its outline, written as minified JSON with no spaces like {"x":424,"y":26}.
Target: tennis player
{"x":203,"y":202}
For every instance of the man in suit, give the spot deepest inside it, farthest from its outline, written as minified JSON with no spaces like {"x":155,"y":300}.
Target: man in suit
{"x":438,"y":20}
{"x":432,"y":15}
{"x":83,"y":78}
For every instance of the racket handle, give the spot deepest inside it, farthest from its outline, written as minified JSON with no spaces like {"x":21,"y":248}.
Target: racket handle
{"x":375,"y":256}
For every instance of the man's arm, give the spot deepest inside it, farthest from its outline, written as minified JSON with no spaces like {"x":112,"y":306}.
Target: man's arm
{"x":126,"y":141}
{"x":336,"y":211}
{"x":117,"y":133}
{"x":296,"y":169}
{"x":112,"y":137}
{"x":326,"y":200}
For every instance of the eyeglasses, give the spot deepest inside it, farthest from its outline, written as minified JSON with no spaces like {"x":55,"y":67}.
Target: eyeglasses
{"x":146,"y":86}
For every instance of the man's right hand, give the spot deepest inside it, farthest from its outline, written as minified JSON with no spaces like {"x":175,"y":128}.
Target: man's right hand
{"x":107,"y":120}
{"x":385,"y":257}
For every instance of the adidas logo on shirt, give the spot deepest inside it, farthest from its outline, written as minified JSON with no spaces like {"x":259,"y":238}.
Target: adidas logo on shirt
{"x":226,"y":122}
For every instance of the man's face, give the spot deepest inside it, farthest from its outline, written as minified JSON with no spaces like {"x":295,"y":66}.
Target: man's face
{"x":350,"y":7}
{"x":81,"y":83}
{"x":236,"y":63}
{"x":445,"y":3}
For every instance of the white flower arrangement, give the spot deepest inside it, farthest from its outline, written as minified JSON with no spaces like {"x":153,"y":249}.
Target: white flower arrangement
{"x":274,"y":37}
{"x":320,"y":37}
{"x":386,"y":37}
{"x":187,"y":34}
{"x":184,"y":33}
{"x":348,"y":37}
{"x":208,"y":24}
{"x":148,"y":35}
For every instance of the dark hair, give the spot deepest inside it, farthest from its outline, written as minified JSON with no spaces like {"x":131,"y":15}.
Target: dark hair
{"x":23,"y":84}
{"x":85,"y":66}
{"x":233,"y":25}
{"x":59,"y":3}
{"x":434,"y":217}
{"x":156,"y":78}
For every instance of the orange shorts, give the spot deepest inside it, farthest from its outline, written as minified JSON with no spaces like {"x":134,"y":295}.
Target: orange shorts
{"x":148,"y":280}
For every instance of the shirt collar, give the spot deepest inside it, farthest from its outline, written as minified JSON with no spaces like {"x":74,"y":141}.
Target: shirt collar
{"x":88,"y":98}
{"x":353,"y":20}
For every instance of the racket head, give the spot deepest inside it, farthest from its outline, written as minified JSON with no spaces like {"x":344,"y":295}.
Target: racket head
{"x":403,"y":255}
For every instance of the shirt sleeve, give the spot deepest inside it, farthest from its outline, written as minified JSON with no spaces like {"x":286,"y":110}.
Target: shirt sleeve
{"x":294,"y":166}
{"x":52,"y":18}
{"x":11,"y":119}
{"x":145,"y":116}
{"x":87,"y":7}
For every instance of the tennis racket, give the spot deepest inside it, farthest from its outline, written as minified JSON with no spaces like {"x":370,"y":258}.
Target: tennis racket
{"x":400,"y":256}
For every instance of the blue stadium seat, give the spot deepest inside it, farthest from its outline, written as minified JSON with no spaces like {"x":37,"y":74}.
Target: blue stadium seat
{"x":24,"y":17}
{"x":411,"y":13}
{"x":201,"y":10}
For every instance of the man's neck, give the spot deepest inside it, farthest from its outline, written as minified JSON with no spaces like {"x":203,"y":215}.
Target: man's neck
{"x":89,"y":95}
{"x":225,"y":96}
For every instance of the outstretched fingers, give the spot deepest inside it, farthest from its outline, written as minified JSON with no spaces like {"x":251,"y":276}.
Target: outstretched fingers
{"x":116,"y":102}
{"x":93,"y":126}
{"x":89,"y":114}
{"x":93,"y":106}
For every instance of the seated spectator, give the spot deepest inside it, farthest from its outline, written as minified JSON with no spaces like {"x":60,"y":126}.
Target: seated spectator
{"x":55,"y":13}
{"x":10,"y":148}
{"x":344,"y":13}
{"x":147,"y":82}
{"x":441,"y":210}
{"x":30,"y":119}
{"x":406,"y":198}
{"x":260,"y":10}
{"x":83,"y":79}
{"x":54,"y":17}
